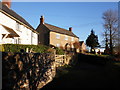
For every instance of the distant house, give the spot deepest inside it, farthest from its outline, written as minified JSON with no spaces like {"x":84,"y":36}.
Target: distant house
{"x":13,"y":28}
{"x":82,"y":47}
{"x":100,"y":49}
{"x":55,"y":36}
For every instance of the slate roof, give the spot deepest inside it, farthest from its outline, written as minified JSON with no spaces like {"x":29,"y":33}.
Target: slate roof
{"x":59,"y":30}
{"x":14,"y":14}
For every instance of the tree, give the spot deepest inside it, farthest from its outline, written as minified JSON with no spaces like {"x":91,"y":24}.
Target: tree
{"x":110,"y":25}
{"x":92,"y":40}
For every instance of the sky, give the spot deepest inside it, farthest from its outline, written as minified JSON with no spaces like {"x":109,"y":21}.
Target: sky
{"x":63,"y":0}
{"x":81,"y":16}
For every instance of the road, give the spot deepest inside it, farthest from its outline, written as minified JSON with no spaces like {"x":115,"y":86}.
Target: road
{"x":88,"y":75}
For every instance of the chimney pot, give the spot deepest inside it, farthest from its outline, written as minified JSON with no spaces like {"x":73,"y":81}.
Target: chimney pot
{"x":42,"y":20}
{"x":7,"y":3}
{"x":70,"y":29}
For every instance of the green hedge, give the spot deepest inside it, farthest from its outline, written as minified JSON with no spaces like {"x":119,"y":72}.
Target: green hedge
{"x":1,"y":48}
{"x":35,"y":48}
{"x":18,"y":47}
{"x":59,"y":51}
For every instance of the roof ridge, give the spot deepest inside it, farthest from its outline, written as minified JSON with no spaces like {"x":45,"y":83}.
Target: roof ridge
{"x":15,"y":15}
{"x":57,"y":27}
{"x":61,"y":30}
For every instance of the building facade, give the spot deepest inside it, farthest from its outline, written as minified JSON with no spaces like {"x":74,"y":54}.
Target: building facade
{"x":82,"y":47}
{"x":55,"y":36}
{"x":14,"y":29}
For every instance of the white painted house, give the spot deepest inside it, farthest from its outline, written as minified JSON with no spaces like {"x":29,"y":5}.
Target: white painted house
{"x":14,"y":29}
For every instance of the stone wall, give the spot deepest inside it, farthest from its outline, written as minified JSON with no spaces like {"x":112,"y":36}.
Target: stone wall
{"x":61,"y":40}
{"x":27,"y":70}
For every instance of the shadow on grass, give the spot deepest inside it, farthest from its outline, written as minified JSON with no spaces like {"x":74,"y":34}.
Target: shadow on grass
{"x":89,"y":72}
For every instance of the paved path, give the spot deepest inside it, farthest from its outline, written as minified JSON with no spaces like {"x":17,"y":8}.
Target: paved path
{"x":88,"y":75}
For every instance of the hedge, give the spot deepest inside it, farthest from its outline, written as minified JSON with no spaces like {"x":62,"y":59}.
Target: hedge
{"x":59,"y":51}
{"x":18,"y":47}
{"x":35,"y":48}
{"x":1,"y":48}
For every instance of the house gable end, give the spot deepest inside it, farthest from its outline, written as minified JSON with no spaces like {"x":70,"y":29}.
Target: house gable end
{"x":43,"y":36}
{"x":13,"y":15}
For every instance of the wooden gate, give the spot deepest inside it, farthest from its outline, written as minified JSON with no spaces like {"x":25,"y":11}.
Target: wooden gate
{"x":60,"y":60}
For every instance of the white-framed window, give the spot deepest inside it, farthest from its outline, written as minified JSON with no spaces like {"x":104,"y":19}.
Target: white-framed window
{"x":32,"y":35}
{"x":66,"y":37}
{"x":57,"y":45}
{"x":58,"y":36}
{"x":27,"y":33}
{"x":15,"y":40}
{"x":17,"y":27}
{"x":19,"y":41}
{"x":72,"y":38}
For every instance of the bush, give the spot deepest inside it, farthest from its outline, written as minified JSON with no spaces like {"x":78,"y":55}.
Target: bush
{"x":18,"y":47}
{"x":59,"y":51}
{"x":1,"y":48}
{"x":35,"y":48}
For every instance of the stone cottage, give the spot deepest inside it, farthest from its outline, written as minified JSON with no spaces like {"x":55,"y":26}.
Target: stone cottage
{"x":51,"y":35}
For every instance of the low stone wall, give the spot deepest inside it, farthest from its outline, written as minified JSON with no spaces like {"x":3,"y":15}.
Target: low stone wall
{"x":27,"y":70}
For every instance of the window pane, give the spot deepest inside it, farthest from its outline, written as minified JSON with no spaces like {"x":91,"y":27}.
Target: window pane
{"x":72,"y":38}
{"x":17,"y":27}
{"x":57,"y":45}
{"x":58,"y":36}
{"x":66,"y":37}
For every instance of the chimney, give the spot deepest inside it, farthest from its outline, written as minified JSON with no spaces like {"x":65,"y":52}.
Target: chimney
{"x":7,"y":3}
{"x":42,"y":20}
{"x":70,"y":29}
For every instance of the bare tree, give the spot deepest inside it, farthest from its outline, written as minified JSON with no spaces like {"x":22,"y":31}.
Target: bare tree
{"x":110,"y":24}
